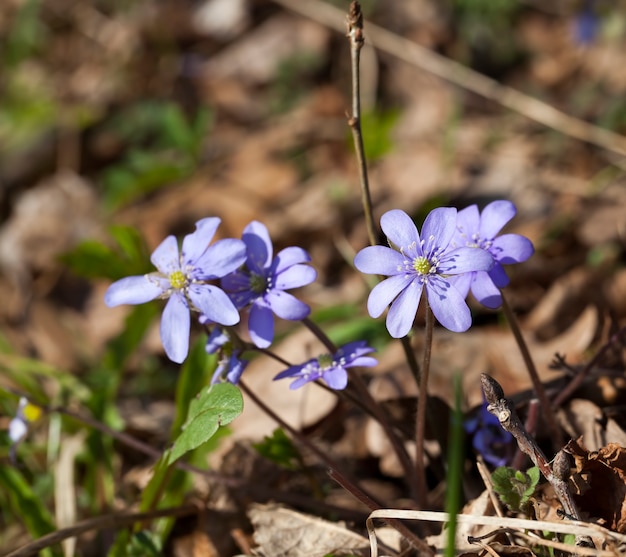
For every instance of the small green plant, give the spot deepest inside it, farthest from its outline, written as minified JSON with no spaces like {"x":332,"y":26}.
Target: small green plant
{"x":515,"y":487}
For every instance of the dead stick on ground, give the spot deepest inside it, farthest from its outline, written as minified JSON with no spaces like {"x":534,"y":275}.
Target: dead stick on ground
{"x":464,"y":77}
{"x":503,"y":409}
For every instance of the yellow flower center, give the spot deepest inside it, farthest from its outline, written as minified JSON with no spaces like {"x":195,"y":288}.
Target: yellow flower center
{"x":422,"y":265}
{"x":178,"y":280}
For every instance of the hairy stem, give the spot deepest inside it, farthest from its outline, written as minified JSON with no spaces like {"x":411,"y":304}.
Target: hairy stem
{"x":422,"y":405}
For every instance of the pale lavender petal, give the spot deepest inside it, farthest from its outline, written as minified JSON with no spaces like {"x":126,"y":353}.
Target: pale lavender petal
{"x":465,"y":260}
{"x":301,"y":381}
{"x":286,"y":306}
{"x":261,"y":325}
{"x":288,"y":257}
{"x":498,"y":275}
{"x":511,"y":248}
{"x":132,"y":290}
{"x":462,"y":283}
{"x":485,"y":291}
{"x":295,"y":277}
{"x":219,"y":259}
{"x":402,"y":311}
{"x":438,"y":229}
{"x":196,"y":243}
{"x":448,"y":305}
{"x":384,"y":293}
{"x":467,"y":224}
{"x":336,"y":378}
{"x":213,"y":303}
{"x":175,"y":324}
{"x":363,"y":361}
{"x":399,"y":228}
{"x":494,"y":217}
{"x":165,"y":256}
{"x":379,"y":260}
{"x":258,"y":245}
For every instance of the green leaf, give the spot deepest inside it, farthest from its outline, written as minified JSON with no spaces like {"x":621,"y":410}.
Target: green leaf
{"x":514,"y":487}
{"x":194,"y":374}
{"x":279,"y":449}
{"x":214,"y":407}
{"x":25,"y":503}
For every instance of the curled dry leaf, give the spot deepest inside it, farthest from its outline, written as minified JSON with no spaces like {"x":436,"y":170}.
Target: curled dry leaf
{"x":600,"y":482}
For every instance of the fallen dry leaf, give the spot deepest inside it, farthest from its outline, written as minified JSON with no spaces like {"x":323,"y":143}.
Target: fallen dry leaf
{"x":602,"y":483}
{"x":280,"y":532}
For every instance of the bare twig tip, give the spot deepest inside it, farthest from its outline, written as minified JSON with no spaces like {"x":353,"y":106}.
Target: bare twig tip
{"x":492,"y":389}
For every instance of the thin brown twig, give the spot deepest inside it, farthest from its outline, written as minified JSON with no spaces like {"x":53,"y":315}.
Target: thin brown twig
{"x":464,"y":77}
{"x":302,"y":439}
{"x":373,"y":505}
{"x":355,"y":34}
{"x":580,"y":377}
{"x":504,"y":410}
{"x":546,"y":405}
{"x":117,"y":520}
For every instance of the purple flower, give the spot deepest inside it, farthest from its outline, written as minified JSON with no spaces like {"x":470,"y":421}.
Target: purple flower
{"x":230,"y":365}
{"x":479,"y":231}
{"x":489,"y":439}
{"x":586,"y":24}
{"x":182,"y":277}
{"x":331,"y":368}
{"x":260,"y":285}
{"x":413,"y":263}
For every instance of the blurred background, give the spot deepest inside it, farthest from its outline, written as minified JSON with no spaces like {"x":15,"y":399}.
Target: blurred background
{"x":123,"y":121}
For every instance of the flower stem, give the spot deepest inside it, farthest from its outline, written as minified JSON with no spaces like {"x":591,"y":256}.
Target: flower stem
{"x":422,"y":404}
{"x":548,"y":412}
{"x":355,"y":34}
{"x":366,"y":401}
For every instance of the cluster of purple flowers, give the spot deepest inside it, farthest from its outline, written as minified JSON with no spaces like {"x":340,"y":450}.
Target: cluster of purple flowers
{"x":458,"y":251}
{"x":221,"y":281}
{"x":252,"y":281}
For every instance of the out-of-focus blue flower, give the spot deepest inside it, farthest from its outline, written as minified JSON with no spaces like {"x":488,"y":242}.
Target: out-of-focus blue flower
{"x":476,"y":230}
{"x":586,"y":24}
{"x":260,"y":285}
{"x":230,"y":365}
{"x":412,"y":263}
{"x":489,"y":439}
{"x":331,"y":367}
{"x":182,"y":277}
{"x":26,"y":414}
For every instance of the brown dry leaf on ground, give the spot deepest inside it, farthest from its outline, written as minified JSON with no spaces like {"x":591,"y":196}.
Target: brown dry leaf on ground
{"x":601,"y":483}
{"x":281,"y":532}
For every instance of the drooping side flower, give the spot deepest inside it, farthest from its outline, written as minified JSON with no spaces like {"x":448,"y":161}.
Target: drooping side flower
{"x":182,"y":278}
{"x":489,"y":439}
{"x":27,"y":413}
{"x":261,"y":284}
{"x":413,"y":263}
{"x":230,"y":365}
{"x":476,"y":230}
{"x":332,"y":368}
